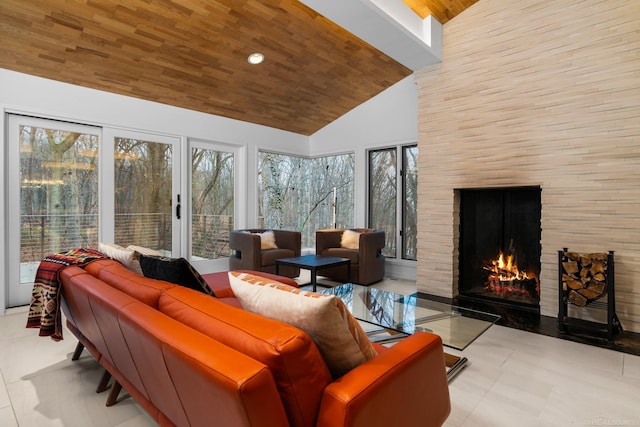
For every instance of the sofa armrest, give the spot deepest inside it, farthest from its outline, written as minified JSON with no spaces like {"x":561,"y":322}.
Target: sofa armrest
{"x":405,"y":385}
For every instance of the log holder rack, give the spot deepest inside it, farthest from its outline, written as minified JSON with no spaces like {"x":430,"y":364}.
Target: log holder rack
{"x":613,"y":324}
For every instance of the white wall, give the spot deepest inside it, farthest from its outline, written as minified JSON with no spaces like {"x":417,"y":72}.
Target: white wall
{"x":387,"y":119}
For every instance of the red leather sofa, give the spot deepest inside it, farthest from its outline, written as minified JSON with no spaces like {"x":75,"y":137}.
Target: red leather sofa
{"x":190,"y":359}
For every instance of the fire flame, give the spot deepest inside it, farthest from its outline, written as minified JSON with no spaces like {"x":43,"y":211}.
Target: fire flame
{"x":505,"y":278}
{"x":504,"y":269}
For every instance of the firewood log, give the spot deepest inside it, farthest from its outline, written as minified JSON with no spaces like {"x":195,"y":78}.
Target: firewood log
{"x":597,"y":267}
{"x":584,"y":277}
{"x":574,"y":284}
{"x":577,"y":299}
{"x":597,"y":285}
{"x":574,"y":256}
{"x":570,"y":267}
{"x":589,"y":294}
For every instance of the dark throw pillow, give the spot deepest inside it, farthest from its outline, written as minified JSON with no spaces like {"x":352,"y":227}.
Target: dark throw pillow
{"x":174,"y":270}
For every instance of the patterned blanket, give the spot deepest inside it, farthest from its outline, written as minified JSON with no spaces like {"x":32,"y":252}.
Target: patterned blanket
{"x":44,"y":311}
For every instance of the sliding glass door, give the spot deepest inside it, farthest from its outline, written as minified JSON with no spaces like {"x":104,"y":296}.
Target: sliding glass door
{"x":141,"y":202}
{"x":147,"y":205}
{"x":52,"y":193}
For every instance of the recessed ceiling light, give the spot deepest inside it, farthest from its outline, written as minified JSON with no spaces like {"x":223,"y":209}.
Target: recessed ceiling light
{"x":255,"y":58}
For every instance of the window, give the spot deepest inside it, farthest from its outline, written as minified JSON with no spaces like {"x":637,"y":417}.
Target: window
{"x":410,"y":202}
{"x":212,"y":202}
{"x":305,"y":194}
{"x":393,"y":172}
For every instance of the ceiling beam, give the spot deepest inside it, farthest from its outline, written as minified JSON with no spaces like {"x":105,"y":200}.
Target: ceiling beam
{"x":388,"y":25}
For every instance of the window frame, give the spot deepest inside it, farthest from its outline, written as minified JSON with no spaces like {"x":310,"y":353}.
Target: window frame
{"x":401,"y":193}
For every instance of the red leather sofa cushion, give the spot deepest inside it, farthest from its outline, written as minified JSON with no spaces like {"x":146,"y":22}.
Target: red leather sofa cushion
{"x":117,"y":275}
{"x":294,"y":360}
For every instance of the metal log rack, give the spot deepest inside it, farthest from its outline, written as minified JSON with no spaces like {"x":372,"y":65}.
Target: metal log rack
{"x":613,"y":325}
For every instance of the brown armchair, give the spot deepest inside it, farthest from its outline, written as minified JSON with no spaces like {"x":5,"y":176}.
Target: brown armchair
{"x":248,"y":255}
{"x":367,"y":262}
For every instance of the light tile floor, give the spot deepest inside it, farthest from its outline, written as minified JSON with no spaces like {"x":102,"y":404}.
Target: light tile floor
{"x":514,"y":378}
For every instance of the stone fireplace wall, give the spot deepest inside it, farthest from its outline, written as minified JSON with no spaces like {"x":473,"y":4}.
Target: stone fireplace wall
{"x":536,"y":92}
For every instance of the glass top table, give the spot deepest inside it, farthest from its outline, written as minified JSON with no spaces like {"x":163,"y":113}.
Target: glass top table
{"x":406,"y":314}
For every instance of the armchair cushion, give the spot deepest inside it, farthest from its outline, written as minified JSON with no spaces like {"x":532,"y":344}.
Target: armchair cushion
{"x":269,"y":256}
{"x":338,"y":335}
{"x":350,"y":239}
{"x":351,"y":254}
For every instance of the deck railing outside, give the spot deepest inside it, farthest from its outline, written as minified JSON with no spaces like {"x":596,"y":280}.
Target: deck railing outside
{"x":45,"y":234}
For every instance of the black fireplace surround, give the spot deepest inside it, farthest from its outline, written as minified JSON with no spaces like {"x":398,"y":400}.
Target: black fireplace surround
{"x":495,"y":221}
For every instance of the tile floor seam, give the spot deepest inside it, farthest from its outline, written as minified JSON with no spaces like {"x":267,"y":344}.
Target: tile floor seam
{"x":9,"y":399}
{"x":6,"y":391}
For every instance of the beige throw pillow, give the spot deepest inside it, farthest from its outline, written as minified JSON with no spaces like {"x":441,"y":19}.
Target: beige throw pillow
{"x":144,"y":251}
{"x":338,"y":335}
{"x":350,"y":239}
{"x":268,"y":240}
{"x":126,"y":256}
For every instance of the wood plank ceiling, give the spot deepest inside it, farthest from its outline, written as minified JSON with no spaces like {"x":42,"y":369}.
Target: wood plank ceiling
{"x":442,"y":10}
{"x":193,"y":54}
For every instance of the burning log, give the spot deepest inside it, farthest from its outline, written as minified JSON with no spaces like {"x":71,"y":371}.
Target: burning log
{"x":524,"y":287}
{"x":504,"y":277}
{"x":584,"y":277}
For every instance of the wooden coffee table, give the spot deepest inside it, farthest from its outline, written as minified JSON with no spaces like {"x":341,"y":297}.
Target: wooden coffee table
{"x":314,"y":263}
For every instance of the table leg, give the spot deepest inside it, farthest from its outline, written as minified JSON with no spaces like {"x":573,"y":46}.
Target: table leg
{"x":313,"y":279}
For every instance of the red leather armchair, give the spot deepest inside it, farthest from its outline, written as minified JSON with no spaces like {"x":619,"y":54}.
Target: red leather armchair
{"x":248,"y":255}
{"x":367,"y":262}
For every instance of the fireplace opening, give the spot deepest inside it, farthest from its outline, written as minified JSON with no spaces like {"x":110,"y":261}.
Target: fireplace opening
{"x":499,"y":248}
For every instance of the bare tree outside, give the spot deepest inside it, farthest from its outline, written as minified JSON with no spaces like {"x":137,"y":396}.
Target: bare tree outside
{"x":212,"y":184}
{"x":393,"y":173}
{"x":143,"y":194}
{"x":58,"y":191}
{"x":383,"y":194}
{"x":410,"y":203}
{"x":297,"y":193}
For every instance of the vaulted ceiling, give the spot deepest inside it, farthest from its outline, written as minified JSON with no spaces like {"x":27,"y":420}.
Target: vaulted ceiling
{"x":193,"y":54}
